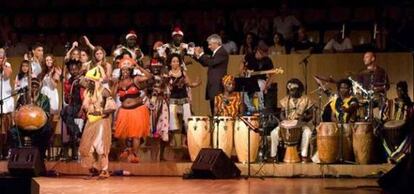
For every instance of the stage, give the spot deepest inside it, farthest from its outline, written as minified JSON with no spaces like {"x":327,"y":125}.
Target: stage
{"x":166,"y":177}
{"x":308,"y":170}
{"x":176,"y":185}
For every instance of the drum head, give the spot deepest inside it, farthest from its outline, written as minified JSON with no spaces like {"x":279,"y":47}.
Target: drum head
{"x":223,"y":118}
{"x":288,"y":124}
{"x":394,"y":124}
{"x":204,"y":118}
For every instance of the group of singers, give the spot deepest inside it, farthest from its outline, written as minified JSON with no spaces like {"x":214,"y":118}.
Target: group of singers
{"x":138,"y":99}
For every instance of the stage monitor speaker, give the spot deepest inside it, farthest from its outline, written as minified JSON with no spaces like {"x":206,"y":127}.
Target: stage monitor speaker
{"x":400,"y":178}
{"x":25,"y":162}
{"x":214,"y":163}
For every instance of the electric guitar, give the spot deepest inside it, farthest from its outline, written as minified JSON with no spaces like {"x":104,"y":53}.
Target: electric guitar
{"x":249,"y":73}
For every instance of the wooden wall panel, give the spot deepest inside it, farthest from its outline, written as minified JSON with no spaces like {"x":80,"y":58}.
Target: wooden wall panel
{"x":398,"y":65}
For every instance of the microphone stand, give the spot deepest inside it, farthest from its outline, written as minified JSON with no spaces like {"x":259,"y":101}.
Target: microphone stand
{"x":217,"y":124}
{"x":250,"y":127}
{"x":251,"y":85}
{"x":341,"y":142}
{"x":305,"y":62}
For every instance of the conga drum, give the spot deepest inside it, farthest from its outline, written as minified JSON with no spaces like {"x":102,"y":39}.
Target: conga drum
{"x":241,"y":136}
{"x":224,"y":126}
{"x":291,"y":133}
{"x":327,"y":140}
{"x":393,"y":134}
{"x":198,"y":135}
{"x":363,"y":142}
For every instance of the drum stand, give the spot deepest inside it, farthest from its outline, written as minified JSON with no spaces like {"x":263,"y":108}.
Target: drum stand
{"x":341,"y":144}
{"x":216,"y":123}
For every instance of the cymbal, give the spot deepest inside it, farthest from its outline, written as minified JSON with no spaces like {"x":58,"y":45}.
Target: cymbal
{"x":325,"y":79}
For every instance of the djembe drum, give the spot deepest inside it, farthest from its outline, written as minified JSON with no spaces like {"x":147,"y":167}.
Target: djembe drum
{"x":291,"y":133}
{"x":393,"y":134}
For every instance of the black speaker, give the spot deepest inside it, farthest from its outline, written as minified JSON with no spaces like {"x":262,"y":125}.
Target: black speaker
{"x":25,"y":162}
{"x":400,"y":178}
{"x":214,"y":163}
{"x":18,"y":185}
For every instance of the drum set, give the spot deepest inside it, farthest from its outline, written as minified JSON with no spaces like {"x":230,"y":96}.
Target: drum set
{"x":359,"y":141}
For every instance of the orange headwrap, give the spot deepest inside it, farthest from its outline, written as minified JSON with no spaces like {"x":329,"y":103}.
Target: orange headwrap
{"x":227,"y":79}
{"x":126,"y":62}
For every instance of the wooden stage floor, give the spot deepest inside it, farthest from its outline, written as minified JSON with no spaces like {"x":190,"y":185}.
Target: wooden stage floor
{"x":176,"y":185}
{"x":165,"y":178}
{"x":310,"y":170}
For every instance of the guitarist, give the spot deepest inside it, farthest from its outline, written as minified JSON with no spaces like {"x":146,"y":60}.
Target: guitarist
{"x":259,"y":61}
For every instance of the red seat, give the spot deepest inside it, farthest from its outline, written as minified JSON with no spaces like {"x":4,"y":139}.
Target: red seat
{"x":72,"y":20}
{"x":96,"y":19}
{"x":23,"y":20}
{"x":166,"y":18}
{"x":364,"y":14}
{"x":119,"y":19}
{"x":144,"y":18}
{"x":339,"y":14}
{"x":314,"y":15}
{"x":393,"y":12}
{"x":48,"y":21}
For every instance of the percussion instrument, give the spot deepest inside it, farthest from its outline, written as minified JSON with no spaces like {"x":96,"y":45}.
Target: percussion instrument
{"x":225,"y":126}
{"x":347,"y":150}
{"x":328,"y":142}
{"x":198,"y":135}
{"x":393,"y":134}
{"x":363,"y":142}
{"x":241,"y":137}
{"x":30,"y":117}
{"x":291,"y":133}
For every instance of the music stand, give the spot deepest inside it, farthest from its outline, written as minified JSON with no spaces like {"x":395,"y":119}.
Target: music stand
{"x":246,"y":85}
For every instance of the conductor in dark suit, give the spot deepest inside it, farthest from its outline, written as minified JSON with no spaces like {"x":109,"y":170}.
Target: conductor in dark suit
{"x":217,"y":66}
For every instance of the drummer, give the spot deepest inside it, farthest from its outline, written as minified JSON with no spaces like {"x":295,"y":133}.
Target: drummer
{"x":344,"y":106}
{"x":295,"y":106}
{"x":374,"y":78}
{"x":403,"y":107}
{"x":39,"y":138}
{"x":228,"y":102}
